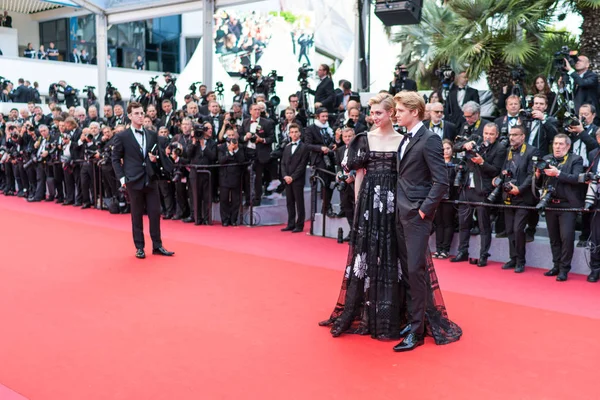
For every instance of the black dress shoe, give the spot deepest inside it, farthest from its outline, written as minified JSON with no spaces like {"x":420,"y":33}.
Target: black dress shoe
{"x":140,"y":253}
{"x":594,"y":276}
{"x":405,"y":331}
{"x":562,"y":276}
{"x":188,"y":220}
{"x":529,"y":237}
{"x":67,"y":203}
{"x":161,"y":251}
{"x":519,"y":268}
{"x":287,"y":229}
{"x":410,"y":342}
{"x":86,"y":205}
{"x":76,"y":204}
{"x":225,"y":223}
{"x":167,"y":216}
{"x":552,"y":272}
{"x":176,"y":217}
{"x":460,"y":257}
{"x":33,"y":200}
{"x":234,"y":224}
{"x":482,"y":261}
{"x":510,"y":264}
{"x":501,"y":235}
{"x":297,"y":230}
{"x":474,"y":231}
{"x":49,"y":199}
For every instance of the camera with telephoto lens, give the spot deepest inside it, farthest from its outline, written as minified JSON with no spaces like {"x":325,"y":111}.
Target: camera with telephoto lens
{"x":588,"y":177}
{"x":546,"y":197}
{"x":231,"y":140}
{"x":250,"y":74}
{"x":303,"y":72}
{"x":446,"y":76}
{"x":176,"y":148}
{"x":193,"y":87}
{"x":526,"y":114}
{"x":461,"y":169}
{"x":562,"y":54}
{"x":478,"y":148}
{"x":340,"y":179}
{"x":401,"y":72}
{"x":502,"y":183}
{"x":29,"y":163}
{"x":518,"y":75}
{"x":591,"y":195}
{"x":541,"y":164}
{"x":178,"y":174}
{"x":570,"y":120}
{"x":349,"y":124}
{"x":199,"y":131}
{"x":219,"y":88}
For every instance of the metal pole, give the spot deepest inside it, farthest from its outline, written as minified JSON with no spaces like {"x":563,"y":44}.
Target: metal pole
{"x":208,"y":10}
{"x":101,"y":52}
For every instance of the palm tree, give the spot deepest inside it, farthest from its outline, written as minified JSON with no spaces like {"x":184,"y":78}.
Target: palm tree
{"x":590,"y":29}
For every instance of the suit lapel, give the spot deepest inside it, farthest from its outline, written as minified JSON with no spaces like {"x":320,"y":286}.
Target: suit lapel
{"x":135,"y":143}
{"x":413,"y":141}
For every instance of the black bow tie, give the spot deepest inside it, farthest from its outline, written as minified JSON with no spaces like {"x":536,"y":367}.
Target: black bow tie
{"x":140,"y":131}
{"x":294,"y":143}
{"x":437,"y":125}
{"x":461,"y":88}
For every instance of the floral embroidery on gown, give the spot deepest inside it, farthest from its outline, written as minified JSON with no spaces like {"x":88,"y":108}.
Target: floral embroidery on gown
{"x":372,"y":299}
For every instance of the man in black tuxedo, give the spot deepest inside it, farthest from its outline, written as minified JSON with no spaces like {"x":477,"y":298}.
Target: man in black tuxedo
{"x":541,"y":128}
{"x":585,"y":82}
{"x":293,"y":170}
{"x":230,"y":177}
{"x":422,"y":183}
{"x":505,"y":122}
{"x":401,"y":81}
{"x":324,"y":94}
{"x":169,"y":91}
{"x":519,"y":162}
{"x":168,"y":118}
{"x":472,"y":122}
{"x":201,"y":151}
{"x":342,"y":98}
{"x":561,"y":224}
{"x":592,"y":200}
{"x":21,"y":93}
{"x":132,"y":160}
{"x":215,"y":118}
{"x":438,"y":125}
{"x":482,"y":167}
{"x":458,"y":95}
{"x":257,"y":134}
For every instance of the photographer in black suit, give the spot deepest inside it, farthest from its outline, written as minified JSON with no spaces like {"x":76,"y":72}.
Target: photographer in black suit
{"x":458,"y":95}
{"x":401,"y":81}
{"x":585,"y":82}
{"x":483,"y":162}
{"x":230,"y":177}
{"x":541,"y":128}
{"x":132,"y":159}
{"x":201,"y":151}
{"x":505,"y":122}
{"x":593,"y":202}
{"x":516,"y":177}
{"x":472,"y":122}
{"x":324,"y":94}
{"x":438,"y":125}
{"x":293,"y":170}
{"x":559,"y":181}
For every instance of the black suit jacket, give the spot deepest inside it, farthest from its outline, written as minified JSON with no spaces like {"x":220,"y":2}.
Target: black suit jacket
{"x":477,"y":130}
{"x":503,"y":126}
{"x":493,"y":160}
{"x":543,"y":140}
{"x":522,"y":175}
{"x":566,"y":185}
{"x":409,"y":85}
{"x":136,"y":167}
{"x":314,"y":141}
{"x":422,"y":176}
{"x":339,"y":98}
{"x":586,"y":89}
{"x":452,"y":110}
{"x":230,"y":177}
{"x":266,"y":131}
{"x":294,"y":165}
{"x":325,"y":94}
{"x":20,"y":94}
{"x":588,"y":137}
{"x":449,"y":129}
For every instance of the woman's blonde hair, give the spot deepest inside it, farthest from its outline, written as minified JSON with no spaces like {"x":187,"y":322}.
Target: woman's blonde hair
{"x":412,"y":101}
{"x":384,"y":99}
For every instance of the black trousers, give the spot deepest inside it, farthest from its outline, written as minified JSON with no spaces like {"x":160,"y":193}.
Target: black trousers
{"x":328,"y":191}
{"x":200,"y":194}
{"x":516,"y":220}
{"x":147,"y":199}
{"x":77,"y":178}
{"x":69,"y":185}
{"x":586,"y":226}
{"x":10,"y":177}
{"x":532,"y":220}
{"x":413,"y":233}
{"x":59,"y":179}
{"x":29,"y":175}
{"x":294,"y":197}
{"x":347,"y":202}
{"x":444,"y":226}
{"x":465,"y":217}
{"x":40,"y":188}
{"x":561,"y":230}
{"x":88,"y":180}
{"x":595,"y":239}
{"x":167,"y":191}
{"x":229,"y":205}
{"x":182,"y":198}
{"x":110,"y":184}
{"x":260,"y":170}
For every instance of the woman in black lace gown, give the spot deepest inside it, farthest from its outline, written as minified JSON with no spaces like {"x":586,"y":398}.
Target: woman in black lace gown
{"x":372,"y":299}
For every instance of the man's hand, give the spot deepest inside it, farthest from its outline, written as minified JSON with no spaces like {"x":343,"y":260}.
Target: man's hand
{"x":537,"y":114}
{"x":168,"y":151}
{"x":575,"y":129}
{"x":469,"y":145}
{"x":538,"y":173}
{"x":152,"y":157}
{"x":567,"y":65}
{"x":515,"y":190}
{"x":288,"y":179}
{"x":97,"y":155}
{"x":504,"y":89}
{"x":477,"y":159}
{"x":325,"y":149}
{"x":341,"y":107}
{"x":317,"y":105}
{"x":422,"y":214}
{"x":44,"y":153}
{"x":247,"y":136}
{"x":551,"y":171}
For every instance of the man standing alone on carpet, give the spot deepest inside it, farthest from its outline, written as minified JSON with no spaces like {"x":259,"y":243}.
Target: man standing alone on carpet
{"x":134,"y":147}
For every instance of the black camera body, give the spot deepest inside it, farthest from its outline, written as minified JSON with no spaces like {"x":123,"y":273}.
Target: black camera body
{"x":546,"y":197}
{"x":461,"y":169}
{"x":303,"y":73}
{"x":502,"y":183}
{"x":446,"y":76}
{"x":526,"y":114}
{"x":588,"y":177}
{"x":541,"y":164}
{"x":561,"y":55}
{"x":518,"y":75}
{"x":231,"y":140}
{"x":175,"y":148}
{"x":199,"y":131}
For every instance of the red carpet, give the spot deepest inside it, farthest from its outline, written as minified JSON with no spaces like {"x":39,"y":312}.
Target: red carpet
{"x":233,"y":316}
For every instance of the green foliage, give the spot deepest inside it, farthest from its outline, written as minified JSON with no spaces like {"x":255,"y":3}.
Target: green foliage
{"x":289,"y":17}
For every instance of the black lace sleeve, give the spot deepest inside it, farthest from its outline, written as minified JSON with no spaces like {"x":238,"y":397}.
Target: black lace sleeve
{"x":357,"y":153}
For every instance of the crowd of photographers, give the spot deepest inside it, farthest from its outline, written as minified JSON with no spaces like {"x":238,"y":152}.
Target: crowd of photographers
{"x":504,"y":173}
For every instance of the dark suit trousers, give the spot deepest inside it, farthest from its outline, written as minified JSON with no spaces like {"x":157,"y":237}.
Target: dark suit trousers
{"x":87,"y":183}
{"x":200,"y":193}
{"x":561,"y":230}
{"x":413,"y":233}
{"x":444,"y":226}
{"x":69,"y":186}
{"x":465,"y":217}
{"x":10,"y":172}
{"x":40,"y":188}
{"x":181,"y":195}
{"x":146,"y":199}
{"x":59,"y":178}
{"x":347,"y":203}
{"x":516,"y":220}
{"x":294,"y":197}
{"x":595,"y":239}
{"x":77,"y":178}
{"x":167,"y":193}
{"x":110,"y":183}
{"x":229,"y":205}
